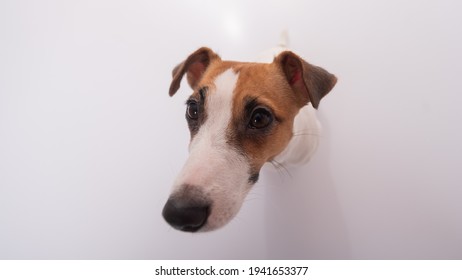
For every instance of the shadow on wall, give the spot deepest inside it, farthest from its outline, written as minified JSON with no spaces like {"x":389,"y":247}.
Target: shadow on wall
{"x":304,"y":218}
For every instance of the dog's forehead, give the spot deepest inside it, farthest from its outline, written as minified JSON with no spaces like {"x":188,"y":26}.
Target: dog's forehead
{"x":253,"y":78}
{"x":216,"y":69}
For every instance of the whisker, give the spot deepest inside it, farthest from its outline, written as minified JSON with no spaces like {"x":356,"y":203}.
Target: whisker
{"x":247,"y":199}
{"x":305,"y":134}
{"x":282,"y":170}
{"x":253,"y":195}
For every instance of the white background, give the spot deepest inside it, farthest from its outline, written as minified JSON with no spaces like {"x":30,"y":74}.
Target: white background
{"x":90,"y":142}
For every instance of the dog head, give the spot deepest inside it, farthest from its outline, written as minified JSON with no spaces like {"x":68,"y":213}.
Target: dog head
{"x":240,"y":115}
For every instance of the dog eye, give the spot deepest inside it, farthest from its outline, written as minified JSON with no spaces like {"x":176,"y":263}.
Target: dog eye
{"x":192,"y":110}
{"x":261,"y":118}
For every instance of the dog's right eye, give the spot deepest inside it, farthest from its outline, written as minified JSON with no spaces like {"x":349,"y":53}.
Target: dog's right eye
{"x":192,"y":110}
{"x":260,"y":118}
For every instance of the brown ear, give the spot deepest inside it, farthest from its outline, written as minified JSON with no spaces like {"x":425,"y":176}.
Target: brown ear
{"x":311,"y":83}
{"x":194,"y":67}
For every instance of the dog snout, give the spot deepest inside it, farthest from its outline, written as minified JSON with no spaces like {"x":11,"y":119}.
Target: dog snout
{"x":186,"y":215}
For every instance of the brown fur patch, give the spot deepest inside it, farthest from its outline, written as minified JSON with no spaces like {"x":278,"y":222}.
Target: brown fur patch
{"x":266,"y":83}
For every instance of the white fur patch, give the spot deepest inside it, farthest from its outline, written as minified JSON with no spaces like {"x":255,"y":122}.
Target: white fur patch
{"x":304,"y":143}
{"x":213,"y":166}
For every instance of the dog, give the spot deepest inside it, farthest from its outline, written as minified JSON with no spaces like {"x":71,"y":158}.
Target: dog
{"x":240,"y":116}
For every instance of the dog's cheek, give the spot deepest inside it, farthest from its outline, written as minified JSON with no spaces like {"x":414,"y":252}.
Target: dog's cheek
{"x":262,"y":149}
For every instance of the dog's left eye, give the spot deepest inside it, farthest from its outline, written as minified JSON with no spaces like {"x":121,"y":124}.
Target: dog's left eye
{"x":260,"y":118}
{"x":192,"y":110}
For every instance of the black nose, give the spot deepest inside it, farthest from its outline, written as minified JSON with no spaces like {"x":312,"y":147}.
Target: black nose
{"x":185,"y":218}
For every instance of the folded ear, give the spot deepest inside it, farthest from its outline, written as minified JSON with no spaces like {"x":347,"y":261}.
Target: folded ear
{"x":309,"y":82}
{"x":194,"y":67}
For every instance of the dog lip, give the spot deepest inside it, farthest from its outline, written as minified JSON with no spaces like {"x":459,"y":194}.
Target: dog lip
{"x":254,"y":178}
